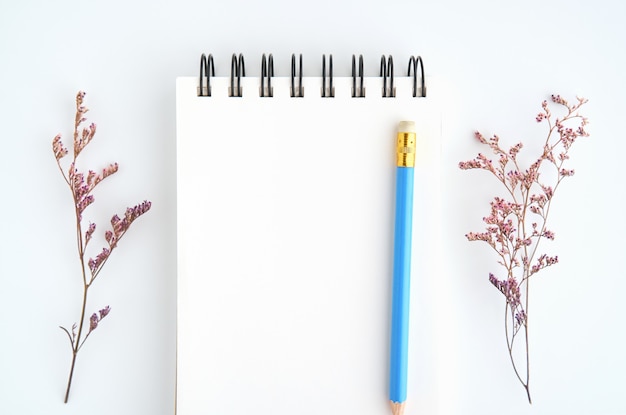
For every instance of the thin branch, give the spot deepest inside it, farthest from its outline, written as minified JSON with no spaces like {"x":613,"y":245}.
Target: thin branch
{"x":509,"y":345}
{"x":68,"y":335}
{"x":84,"y":340}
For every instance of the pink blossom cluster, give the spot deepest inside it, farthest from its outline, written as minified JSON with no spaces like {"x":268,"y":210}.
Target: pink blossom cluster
{"x":510,"y":288}
{"x":517,"y":223}
{"x":95,"y":318}
{"x":83,"y":185}
{"x":82,"y":188}
{"x":508,"y":231}
{"x":542,"y":262}
{"x":120,"y":226}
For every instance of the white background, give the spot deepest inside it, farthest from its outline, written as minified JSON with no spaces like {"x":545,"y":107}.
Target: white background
{"x":501,"y":60}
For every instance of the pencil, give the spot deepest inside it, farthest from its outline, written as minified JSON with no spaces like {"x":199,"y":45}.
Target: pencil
{"x":405,"y":162}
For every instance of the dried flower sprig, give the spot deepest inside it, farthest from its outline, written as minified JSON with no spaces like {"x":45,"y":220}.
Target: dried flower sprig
{"x":516,"y":226}
{"x":81,"y":186}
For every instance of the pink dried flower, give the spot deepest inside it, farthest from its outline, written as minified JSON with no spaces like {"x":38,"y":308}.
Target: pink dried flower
{"x":539,"y":199}
{"x":108,"y":236}
{"x":547,"y":190}
{"x":84,"y":202}
{"x":106,"y":172}
{"x":82,"y":185}
{"x":480,"y":137}
{"x":95,"y":264}
{"x":515,"y":149}
{"x":93,"y":322}
{"x":472,"y":164}
{"x":84,"y":137}
{"x":104,"y":312}
{"x":57,"y":147}
{"x":90,"y":231}
{"x":95,"y":319}
{"x":510,"y":231}
{"x":542,"y":262}
{"x":120,"y":226}
{"x":559,"y":100}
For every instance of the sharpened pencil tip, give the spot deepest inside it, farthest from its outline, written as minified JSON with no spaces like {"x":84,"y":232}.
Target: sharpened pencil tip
{"x":397,"y":408}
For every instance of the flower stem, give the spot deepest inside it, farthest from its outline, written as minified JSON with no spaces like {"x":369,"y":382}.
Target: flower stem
{"x":69,"y":381}
{"x":77,"y":343}
{"x":509,"y":343}
{"x":527,"y":384}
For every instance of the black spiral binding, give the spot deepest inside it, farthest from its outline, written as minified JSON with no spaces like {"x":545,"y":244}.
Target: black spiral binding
{"x":360,"y":92}
{"x":386,"y":71}
{"x":237,"y":70}
{"x":267,"y":71}
{"x":414,"y":62}
{"x":296,"y":93}
{"x":207,"y":70}
{"x":330,"y":92}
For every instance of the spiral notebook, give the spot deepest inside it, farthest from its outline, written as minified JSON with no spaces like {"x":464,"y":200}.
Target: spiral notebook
{"x":285,"y":234}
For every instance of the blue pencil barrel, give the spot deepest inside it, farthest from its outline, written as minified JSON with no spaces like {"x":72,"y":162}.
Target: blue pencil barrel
{"x":401,"y":284}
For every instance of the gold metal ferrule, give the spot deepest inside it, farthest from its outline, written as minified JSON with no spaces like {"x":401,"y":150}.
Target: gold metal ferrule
{"x":405,"y":150}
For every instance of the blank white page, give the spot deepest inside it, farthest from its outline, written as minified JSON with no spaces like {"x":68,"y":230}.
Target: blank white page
{"x":285,"y":243}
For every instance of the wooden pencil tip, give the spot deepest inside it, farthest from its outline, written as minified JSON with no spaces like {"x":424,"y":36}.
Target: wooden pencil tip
{"x":397,"y":408}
